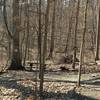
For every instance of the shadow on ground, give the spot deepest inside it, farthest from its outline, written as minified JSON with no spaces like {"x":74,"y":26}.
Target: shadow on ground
{"x":10,"y":83}
{"x":67,"y":96}
{"x":95,"y":81}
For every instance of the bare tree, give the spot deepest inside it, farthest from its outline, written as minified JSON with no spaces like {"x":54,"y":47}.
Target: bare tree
{"x":40,"y":52}
{"x":16,"y":58}
{"x":98,"y":32}
{"x":27,"y":38}
{"x":75,"y":34}
{"x":71,"y":11}
{"x":82,"y":44}
{"x":44,"y":49}
{"x":53,"y":31}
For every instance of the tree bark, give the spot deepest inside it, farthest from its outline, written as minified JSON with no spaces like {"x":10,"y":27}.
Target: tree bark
{"x":75,"y":34}
{"x":44,"y":48}
{"x":71,"y":11}
{"x":98,"y":33}
{"x":53,"y":32}
{"x":82,"y":45}
{"x":16,"y":58}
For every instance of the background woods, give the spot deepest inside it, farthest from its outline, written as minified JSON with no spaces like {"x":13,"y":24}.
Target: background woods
{"x":46,"y":33}
{"x":64,"y":25}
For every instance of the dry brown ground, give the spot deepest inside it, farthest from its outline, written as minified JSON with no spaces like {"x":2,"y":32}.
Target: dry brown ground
{"x":21,"y":85}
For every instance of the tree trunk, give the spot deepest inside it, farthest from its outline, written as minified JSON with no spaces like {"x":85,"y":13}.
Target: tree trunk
{"x":71,"y":11}
{"x":53,"y":32}
{"x":44,"y":49}
{"x":75,"y":34}
{"x":98,"y":33}
{"x":40,"y":52}
{"x":27,"y":38}
{"x":82,"y":45}
{"x":16,"y":59}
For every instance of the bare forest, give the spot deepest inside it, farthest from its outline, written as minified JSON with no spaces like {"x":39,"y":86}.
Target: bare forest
{"x":49,"y":49}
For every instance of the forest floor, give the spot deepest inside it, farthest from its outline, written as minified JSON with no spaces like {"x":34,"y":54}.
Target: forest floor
{"x":58,"y":85}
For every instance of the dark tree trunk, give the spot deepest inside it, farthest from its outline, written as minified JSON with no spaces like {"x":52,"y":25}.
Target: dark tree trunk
{"x":16,"y":58}
{"x":53,"y":32}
